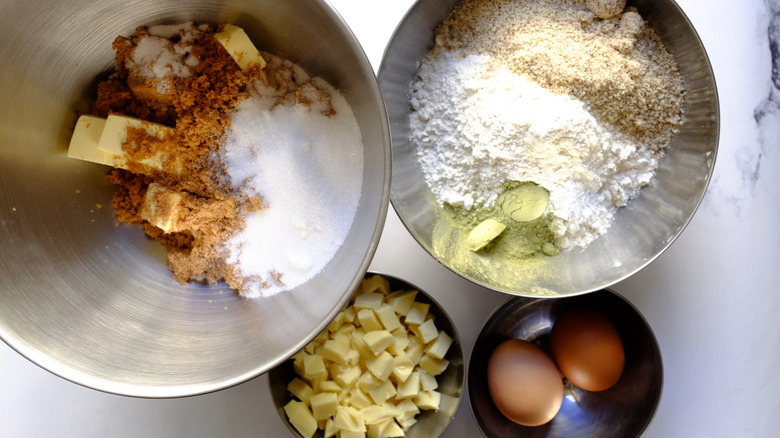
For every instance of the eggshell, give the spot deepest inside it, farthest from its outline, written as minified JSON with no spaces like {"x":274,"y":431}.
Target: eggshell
{"x":587,"y":349}
{"x":524,"y":383}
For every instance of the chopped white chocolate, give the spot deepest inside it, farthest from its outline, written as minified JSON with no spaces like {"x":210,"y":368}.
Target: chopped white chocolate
{"x":380,"y":356}
{"x":239,"y":46}
{"x":301,"y":418}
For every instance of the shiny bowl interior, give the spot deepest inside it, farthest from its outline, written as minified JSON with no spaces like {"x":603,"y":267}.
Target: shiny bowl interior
{"x":430,"y":424}
{"x":622,"y":411}
{"x":92,"y":300}
{"x":639,"y":233}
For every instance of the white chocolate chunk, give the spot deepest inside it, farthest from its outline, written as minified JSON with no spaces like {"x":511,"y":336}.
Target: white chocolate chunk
{"x":381,"y":366}
{"x":335,"y":351}
{"x":411,"y":387}
{"x":378,"y":340}
{"x":314,"y":368}
{"x":440,"y":346}
{"x":301,"y":418}
{"x":388,"y":318}
{"x":368,"y":320}
{"x":427,"y":381}
{"x":376,"y":283}
{"x":433,"y":365}
{"x":401,"y":301}
{"x":428,"y":331}
{"x":300,"y":389}
{"x":417,"y":313}
{"x":428,"y":400}
{"x":239,"y":46}
{"x":383,"y":392}
{"x":349,"y":419}
{"x":371,"y":300}
{"x":323,"y":405}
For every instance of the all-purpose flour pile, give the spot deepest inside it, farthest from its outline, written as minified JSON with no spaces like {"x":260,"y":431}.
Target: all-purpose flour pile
{"x":244,"y":167}
{"x":579,"y":102}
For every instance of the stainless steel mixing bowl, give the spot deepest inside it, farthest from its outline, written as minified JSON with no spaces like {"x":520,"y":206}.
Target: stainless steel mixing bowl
{"x":622,"y":411}
{"x":430,"y":424}
{"x":92,"y":301}
{"x":639,"y":232}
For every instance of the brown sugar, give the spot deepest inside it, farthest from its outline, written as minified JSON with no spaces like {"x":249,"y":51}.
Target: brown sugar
{"x":197,"y":107}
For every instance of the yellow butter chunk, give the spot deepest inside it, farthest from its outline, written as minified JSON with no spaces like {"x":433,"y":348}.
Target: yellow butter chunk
{"x":100,"y":140}
{"x":161,"y":207}
{"x":239,"y":47}
{"x":85,"y":139}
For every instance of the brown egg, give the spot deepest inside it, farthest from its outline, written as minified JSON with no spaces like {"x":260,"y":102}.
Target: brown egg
{"x":587,"y":349}
{"x":524,"y":383}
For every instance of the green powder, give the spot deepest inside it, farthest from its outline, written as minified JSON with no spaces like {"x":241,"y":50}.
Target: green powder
{"x":520,"y":240}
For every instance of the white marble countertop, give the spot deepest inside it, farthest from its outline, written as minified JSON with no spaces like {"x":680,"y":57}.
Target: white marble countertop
{"x":712,"y":299}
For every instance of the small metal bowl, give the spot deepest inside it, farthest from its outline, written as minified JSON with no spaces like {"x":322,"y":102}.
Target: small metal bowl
{"x":429,"y":424}
{"x":639,"y":232}
{"x":622,"y":411}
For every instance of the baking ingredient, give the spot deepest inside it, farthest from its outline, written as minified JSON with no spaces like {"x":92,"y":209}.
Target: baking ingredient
{"x":243,"y":166}
{"x":484,"y":233}
{"x":373,"y":369}
{"x":587,"y":349}
{"x":544,"y":92}
{"x":526,"y":202}
{"x":524,"y":383}
{"x":239,"y":46}
{"x":605,"y":8}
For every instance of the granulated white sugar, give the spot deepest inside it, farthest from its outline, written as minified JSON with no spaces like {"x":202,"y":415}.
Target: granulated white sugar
{"x":307,"y":168}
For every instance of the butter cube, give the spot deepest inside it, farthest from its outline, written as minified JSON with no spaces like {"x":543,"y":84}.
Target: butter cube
{"x":239,"y":46}
{"x":85,"y":139}
{"x":378,"y":340}
{"x":114,"y":135}
{"x":401,"y":301}
{"x":440,"y":346}
{"x":161,"y":207}
{"x":381,"y":366}
{"x":410,"y":388}
{"x":301,"y":390}
{"x":376,"y":283}
{"x":381,"y":393}
{"x":417,"y":313}
{"x":368,"y":320}
{"x":428,"y":331}
{"x":388,"y":318}
{"x":371,"y":300}
{"x":301,"y":418}
{"x":432,"y":365}
{"x":323,"y":405}
{"x":428,"y":400}
{"x":427,"y":381}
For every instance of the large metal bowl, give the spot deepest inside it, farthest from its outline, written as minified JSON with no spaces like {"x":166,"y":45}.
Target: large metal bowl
{"x":93,"y":301}
{"x":639,"y":232}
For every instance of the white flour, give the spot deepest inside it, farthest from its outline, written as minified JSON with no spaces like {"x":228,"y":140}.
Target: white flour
{"x":478,"y":126}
